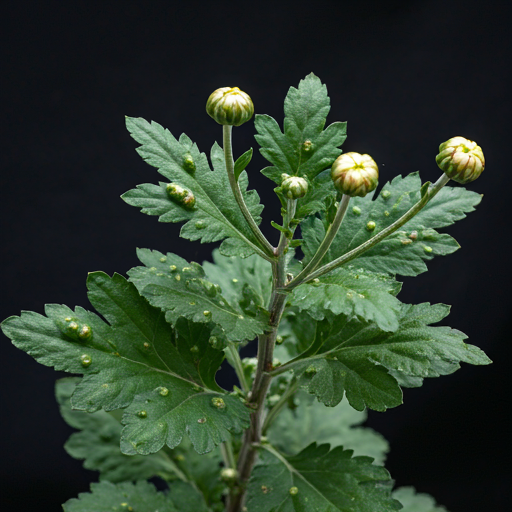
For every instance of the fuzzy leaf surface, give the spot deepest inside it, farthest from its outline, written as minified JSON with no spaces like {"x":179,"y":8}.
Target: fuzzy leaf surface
{"x":135,"y":353}
{"x":326,"y":480}
{"x":416,"y":502}
{"x":405,"y":251}
{"x":294,"y":430}
{"x":360,"y":359}
{"x":184,"y":291}
{"x":141,"y":497}
{"x":216,"y":215}
{"x":351,"y":292}
{"x":306,"y":109}
{"x":97,"y":443}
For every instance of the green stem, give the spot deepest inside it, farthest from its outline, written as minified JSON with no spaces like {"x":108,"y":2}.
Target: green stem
{"x":236,"y":363}
{"x":288,"y":217}
{"x":228,"y":456}
{"x":274,"y":412}
{"x":332,"y":231}
{"x":428,"y":195}
{"x":268,"y":250}
{"x":266,"y":342}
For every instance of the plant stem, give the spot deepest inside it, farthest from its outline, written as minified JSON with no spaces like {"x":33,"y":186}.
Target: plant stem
{"x":268,"y":250}
{"x":233,"y":358}
{"x":332,"y":231}
{"x":273,"y":413}
{"x":288,"y":217}
{"x":429,"y":194}
{"x":261,"y":384}
{"x":228,"y":456}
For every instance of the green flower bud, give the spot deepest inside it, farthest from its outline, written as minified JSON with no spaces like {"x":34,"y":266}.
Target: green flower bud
{"x":293,"y":187}
{"x":354,"y":174}
{"x":461,"y":159}
{"x":229,"y":475}
{"x":230,"y":106}
{"x":181,"y":196}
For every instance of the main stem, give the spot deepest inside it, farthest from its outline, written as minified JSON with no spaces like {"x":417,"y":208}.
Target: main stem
{"x":261,"y":384}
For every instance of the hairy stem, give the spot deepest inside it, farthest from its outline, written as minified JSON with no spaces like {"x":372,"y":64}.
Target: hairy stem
{"x":261,"y":384}
{"x":268,"y":250}
{"x":429,"y":194}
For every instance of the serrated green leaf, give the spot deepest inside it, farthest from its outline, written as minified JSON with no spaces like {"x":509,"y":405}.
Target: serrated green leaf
{"x":136,"y":353}
{"x":294,"y":430}
{"x":355,"y":356}
{"x":140,"y":497}
{"x":351,"y":292}
{"x":320,"y":480}
{"x":306,"y":110}
{"x":216,"y":215}
{"x":181,"y":289}
{"x":416,"y":502}
{"x":406,"y":251}
{"x":97,"y":443}
{"x":242,"y":162}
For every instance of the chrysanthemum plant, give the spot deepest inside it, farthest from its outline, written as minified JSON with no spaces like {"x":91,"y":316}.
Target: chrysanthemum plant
{"x":332,"y":337}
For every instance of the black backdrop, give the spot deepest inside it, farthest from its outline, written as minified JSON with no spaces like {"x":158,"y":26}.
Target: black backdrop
{"x":406,"y":75}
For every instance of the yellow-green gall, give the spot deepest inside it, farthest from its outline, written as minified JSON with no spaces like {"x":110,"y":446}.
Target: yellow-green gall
{"x":189,"y":164}
{"x":354,"y":174}
{"x":293,"y":491}
{"x":85,"y":332}
{"x":462,"y":160}
{"x":230,"y":106}
{"x":218,"y":402}
{"x":181,"y":196}
{"x":293,"y":187}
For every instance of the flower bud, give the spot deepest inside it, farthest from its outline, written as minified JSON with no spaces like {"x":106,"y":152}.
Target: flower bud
{"x":181,"y":196}
{"x":461,"y":159}
{"x":230,"y":106}
{"x":354,"y":174}
{"x":293,"y":187}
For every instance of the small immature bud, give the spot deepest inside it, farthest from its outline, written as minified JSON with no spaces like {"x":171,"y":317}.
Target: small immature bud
{"x":461,"y":159}
{"x":354,"y":174}
{"x":181,"y":196}
{"x":230,"y":106}
{"x":293,"y":187}
{"x":229,"y":475}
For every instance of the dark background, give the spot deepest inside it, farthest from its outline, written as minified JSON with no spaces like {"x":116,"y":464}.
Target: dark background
{"x":406,"y":75}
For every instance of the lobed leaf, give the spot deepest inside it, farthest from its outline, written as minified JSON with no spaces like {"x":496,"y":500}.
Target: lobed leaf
{"x":358,"y":358}
{"x":319,"y":479}
{"x":350,"y":292}
{"x":97,"y":443}
{"x":181,"y":289}
{"x":134,"y":354}
{"x":141,"y":497}
{"x":416,"y":502}
{"x":216,"y":215}
{"x":406,"y":251}
{"x":294,"y":430}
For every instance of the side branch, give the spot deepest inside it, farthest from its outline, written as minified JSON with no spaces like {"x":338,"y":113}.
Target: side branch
{"x":268,"y":250}
{"x":426,"y":197}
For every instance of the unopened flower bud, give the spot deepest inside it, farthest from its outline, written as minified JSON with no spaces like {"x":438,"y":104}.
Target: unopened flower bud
{"x":181,"y":196}
{"x":461,"y":159}
{"x":229,"y":475}
{"x":354,"y":174}
{"x":293,"y":187}
{"x":230,"y":106}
